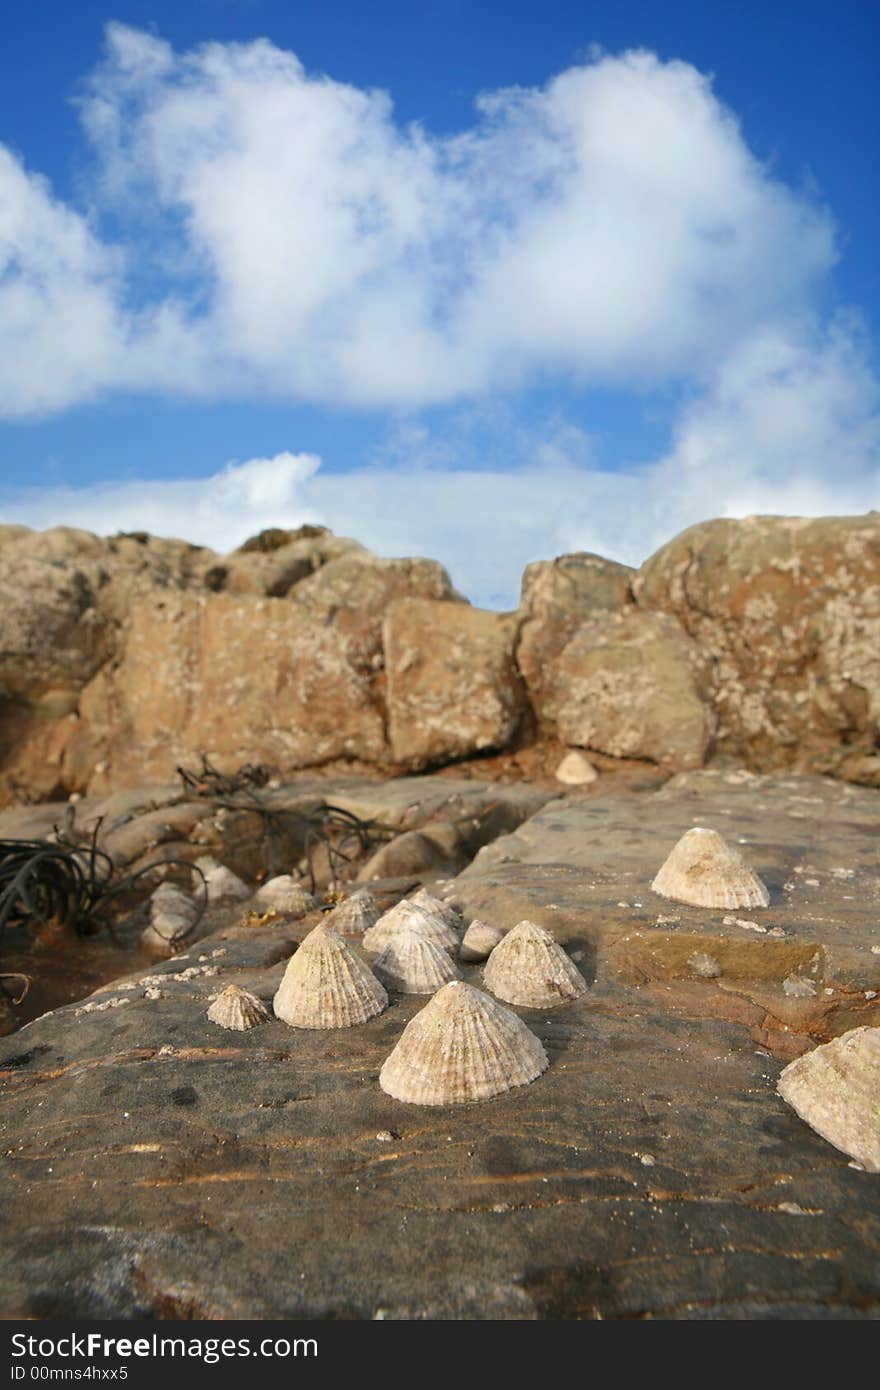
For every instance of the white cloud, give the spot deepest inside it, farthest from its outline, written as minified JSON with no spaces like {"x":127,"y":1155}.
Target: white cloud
{"x":283,"y":234}
{"x":786,"y":429}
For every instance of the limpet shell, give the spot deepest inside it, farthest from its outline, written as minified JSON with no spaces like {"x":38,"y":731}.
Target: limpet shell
{"x":326,"y":985}
{"x":409,"y":916}
{"x":285,"y":894}
{"x":413,"y":965}
{"x":438,"y":908}
{"x":462,"y":1046}
{"x":836,"y":1090}
{"x":238,"y":1009}
{"x":705,"y":871}
{"x":529,"y":968}
{"x":355,"y":915}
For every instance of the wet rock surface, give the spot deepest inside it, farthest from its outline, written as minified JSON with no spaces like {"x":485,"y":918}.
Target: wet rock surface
{"x":156,"y":1165}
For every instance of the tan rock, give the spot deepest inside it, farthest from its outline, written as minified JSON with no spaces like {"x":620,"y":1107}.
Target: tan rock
{"x":788,"y":611}
{"x":629,"y":685}
{"x":243,"y":679}
{"x":354,"y":593}
{"x":452,"y":686}
{"x":557,"y":596}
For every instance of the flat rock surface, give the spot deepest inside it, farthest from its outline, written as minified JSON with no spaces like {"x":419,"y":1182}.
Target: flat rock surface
{"x":157,"y":1166}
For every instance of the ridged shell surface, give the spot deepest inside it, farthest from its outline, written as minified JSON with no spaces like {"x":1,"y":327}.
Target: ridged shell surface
{"x":408,"y":916}
{"x":413,"y":965}
{"x":705,"y":871}
{"x":836,"y":1090}
{"x":354,"y":916}
{"x":462,"y":1046}
{"x":529,"y":968}
{"x":445,"y":911}
{"x":285,"y":894}
{"x":238,"y":1009}
{"x":326,"y":985}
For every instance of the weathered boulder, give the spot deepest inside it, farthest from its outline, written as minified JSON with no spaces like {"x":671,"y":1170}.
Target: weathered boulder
{"x":629,"y":685}
{"x":452,"y":685}
{"x":557,"y":596}
{"x":280,"y":563}
{"x":354,"y":593}
{"x":788,"y":612}
{"x":244,"y":679}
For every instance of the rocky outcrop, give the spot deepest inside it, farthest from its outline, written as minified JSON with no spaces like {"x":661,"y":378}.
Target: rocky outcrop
{"x":452,"y":687}
{"x":354,"y":593}
{"x":630,"y":684}
{"x":237,"y":678}
{"x":787,"y":611}
{"x":557,"y":597}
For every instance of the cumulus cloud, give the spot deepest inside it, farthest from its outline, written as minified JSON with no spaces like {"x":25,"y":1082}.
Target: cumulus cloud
{"x":282,"y":233}
{"x":787,"y":429}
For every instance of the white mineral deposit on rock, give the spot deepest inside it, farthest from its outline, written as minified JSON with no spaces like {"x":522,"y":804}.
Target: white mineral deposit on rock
{"x":326,"y":985}
{"x":238,"y":1009}
{"x":704,"y":965}
{"x":285,"y":894}
{"x":355,"y":915}
{"x":479,"y":941}
{"x":836,"y":1090}
{"x":797,"y":987}
{"x":463,"y":1046}
{"x":702,"y":869}
{"x":528,"y":967}
{"x":576,"y":770}
{"x":413,"y":965}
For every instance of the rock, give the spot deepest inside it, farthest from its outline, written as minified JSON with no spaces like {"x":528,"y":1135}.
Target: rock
{"x":599,"y":1191}
{"x":285,"y":894}
{"x":172,"y":914}
{"x":836,"y":1090}
{"x":575,"y":770}
{"x":354,"y":593}
{"x":274,"y":571}
{"x":557,"y":597}
{"x":788,"y":611}
{"x":630,"y":685}
{"x":244,"y":679}
{"x":479,"y":941}
{"x":221,"y":884}
{"x":452,"y":686}
{"x":583,"y":868}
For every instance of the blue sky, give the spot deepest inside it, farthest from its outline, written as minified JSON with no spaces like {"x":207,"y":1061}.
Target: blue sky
{"x":487,"y":282}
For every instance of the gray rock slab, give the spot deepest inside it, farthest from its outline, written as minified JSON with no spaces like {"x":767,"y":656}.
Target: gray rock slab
{"x":156,"y":1166}
{"x":583,"y":868}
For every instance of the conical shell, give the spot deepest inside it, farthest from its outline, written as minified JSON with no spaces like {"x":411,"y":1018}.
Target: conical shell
{"x":836,"y":1090}
{"x":408,"y":916}
{"x":461,"y":1046}
{"x":237,"y":1008}
{"x":354,"y":916}
{"x":285,"y":894}
{"x":703,"y":870}
{"x":326,"y":985}
{"x":479,"y":941}
{"x":415,"y":966}
{"x":529,"y":967}
{"x":438,"y":908}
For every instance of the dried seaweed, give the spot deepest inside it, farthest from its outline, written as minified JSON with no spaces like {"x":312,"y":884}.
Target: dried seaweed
{"x":43,"y":881}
